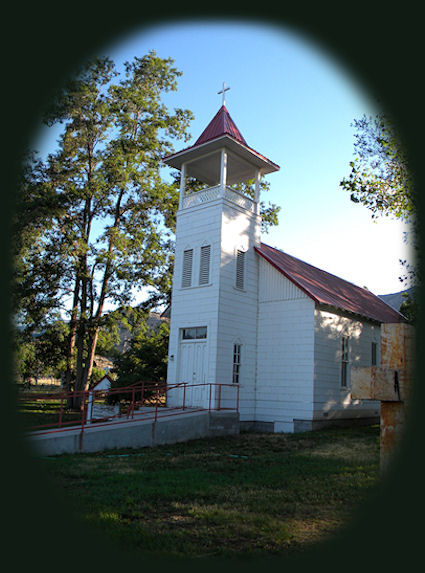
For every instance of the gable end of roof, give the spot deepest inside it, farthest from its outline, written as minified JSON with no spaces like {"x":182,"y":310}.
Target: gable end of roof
{"x":287,"y":275}
{"x":328,"y":290}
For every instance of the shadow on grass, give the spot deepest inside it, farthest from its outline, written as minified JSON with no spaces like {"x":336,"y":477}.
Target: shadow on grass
{"x":252,"y":495}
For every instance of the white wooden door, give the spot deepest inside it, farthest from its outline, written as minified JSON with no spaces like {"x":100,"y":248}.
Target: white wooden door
{"x":193,"y":370}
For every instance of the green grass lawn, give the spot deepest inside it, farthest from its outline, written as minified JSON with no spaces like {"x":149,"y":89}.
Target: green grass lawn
{"x":43,"y":414}
{"x":251,"y":495}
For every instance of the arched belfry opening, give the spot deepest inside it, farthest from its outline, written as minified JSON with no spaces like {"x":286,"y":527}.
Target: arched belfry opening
{"x":219,"y":158}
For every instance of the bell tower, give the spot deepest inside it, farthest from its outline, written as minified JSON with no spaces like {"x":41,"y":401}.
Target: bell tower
{"x":213,"y":321}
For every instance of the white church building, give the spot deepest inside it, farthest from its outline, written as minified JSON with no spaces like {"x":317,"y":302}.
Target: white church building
{"x":247,"y":314}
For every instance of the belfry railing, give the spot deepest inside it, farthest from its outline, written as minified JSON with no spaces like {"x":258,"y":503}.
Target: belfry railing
{"x":213,"y":193}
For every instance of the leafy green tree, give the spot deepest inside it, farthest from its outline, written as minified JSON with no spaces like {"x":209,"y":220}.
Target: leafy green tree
{"x":26,"y":364}
{"x":409,"y":308}
{"x":43,"y":353}
{"x":269,"y":214}
{"x":380,"y":178}
{"x":38,"y":268}
{"x":119,"y":326}
{"x":108,"y":340}
{"x":146,"y":360}
{"x":107,"y":227}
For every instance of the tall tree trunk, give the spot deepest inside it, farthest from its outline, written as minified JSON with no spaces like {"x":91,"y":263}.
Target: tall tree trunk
{"x":79,"y":373}
{"x":71,"y":340}
{"x":83,"y":274}
{"x":90,"y":357}
{"x":81,"y":337}
{"x":92,"y":342}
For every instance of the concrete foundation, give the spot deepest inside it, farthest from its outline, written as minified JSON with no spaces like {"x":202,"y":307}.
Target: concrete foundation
{"x":306,"y":425}
{"x":255,"y":426}
{"x":137,"y":434}
{"x":311,"y":425}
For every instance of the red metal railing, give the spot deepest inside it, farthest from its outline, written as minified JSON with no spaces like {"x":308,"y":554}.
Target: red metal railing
{"x":142,"y":401}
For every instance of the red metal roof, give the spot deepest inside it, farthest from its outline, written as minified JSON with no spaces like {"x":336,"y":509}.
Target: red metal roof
{"x":328,"y":289}
{"x":221,"y":124}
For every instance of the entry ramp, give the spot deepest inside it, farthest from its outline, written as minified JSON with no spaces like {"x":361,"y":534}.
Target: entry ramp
{"x":169,"y":427}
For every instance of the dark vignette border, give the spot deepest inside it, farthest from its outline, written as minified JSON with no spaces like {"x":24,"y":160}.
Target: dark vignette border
{"x":42,"y":44}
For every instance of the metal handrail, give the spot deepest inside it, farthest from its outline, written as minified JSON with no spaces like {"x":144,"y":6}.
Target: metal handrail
{"x":132,"y":412}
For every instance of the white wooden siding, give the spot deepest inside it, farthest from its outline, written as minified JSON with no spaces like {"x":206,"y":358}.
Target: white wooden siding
{"x":330,"y":399}
{"x":229,"y":313}
{"x":289,"y":351}
{"x":273,"y":285}
{"x":198,"y":304}
{"x":285,"y":366}
{"x":237,"y":319}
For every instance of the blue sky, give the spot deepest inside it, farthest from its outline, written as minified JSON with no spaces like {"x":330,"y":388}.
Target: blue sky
{"x":293,"y":102}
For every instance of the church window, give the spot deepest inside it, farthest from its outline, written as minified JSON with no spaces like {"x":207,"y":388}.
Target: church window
{"x":240,"y":268}
{"x":374,"y":353}
{"x":204,"y":269}
{"x":194,"y":333}
{"x":187,"y":268}
{"x":344,"y":361}
{"x":236,"y":363}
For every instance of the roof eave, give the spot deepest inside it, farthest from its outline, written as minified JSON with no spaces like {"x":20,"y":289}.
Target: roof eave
{"x":343,"y":311}
{"x":194,"y":152}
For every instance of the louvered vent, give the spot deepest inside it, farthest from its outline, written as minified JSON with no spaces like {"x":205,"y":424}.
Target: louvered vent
{"x":204,"y":269}
{"x":240,"y":266}
{"x":187,"y":268}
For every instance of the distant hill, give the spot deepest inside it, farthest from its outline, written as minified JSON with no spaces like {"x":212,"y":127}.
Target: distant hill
{"x":395,"y":299}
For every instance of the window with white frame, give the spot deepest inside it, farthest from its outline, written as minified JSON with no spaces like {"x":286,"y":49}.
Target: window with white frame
{"x":194,"y":333}
{"x":187,"y":268}
{"x":344,"y":361}
{"x":240,"y":269}
{"x":204,"y":267}
{"x":236,"y":363}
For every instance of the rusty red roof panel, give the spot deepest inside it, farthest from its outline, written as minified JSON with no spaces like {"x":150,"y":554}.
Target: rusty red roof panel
{"x":221,"y":124}
{"x":325,"y":288}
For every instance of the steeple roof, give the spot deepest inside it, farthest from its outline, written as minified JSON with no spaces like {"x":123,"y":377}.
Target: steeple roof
{"x":221,"y":124}
{"x":203,"y":157}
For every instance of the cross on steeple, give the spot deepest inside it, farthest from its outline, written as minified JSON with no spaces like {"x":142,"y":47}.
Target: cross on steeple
{"x":222,"y":91}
